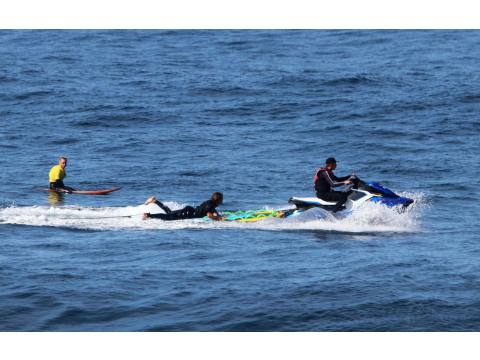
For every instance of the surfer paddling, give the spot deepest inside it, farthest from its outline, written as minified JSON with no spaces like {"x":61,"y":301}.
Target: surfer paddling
{"x":57,"y":174}
{"x":207,"y":208}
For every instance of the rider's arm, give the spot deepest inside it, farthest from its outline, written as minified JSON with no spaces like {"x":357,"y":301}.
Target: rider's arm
{"x":333,"y":180}
{"x":340,"y":179}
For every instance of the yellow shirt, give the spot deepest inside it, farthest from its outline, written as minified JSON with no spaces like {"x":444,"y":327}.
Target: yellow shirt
{"x":57,"y":173}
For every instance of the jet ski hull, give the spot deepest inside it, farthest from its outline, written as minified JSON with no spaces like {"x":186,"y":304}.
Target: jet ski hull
{"x":363,"y":192}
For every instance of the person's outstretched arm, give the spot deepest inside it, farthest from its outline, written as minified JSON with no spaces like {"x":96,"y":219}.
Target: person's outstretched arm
{"x":333,"y":180}
{"x":341,"y":179}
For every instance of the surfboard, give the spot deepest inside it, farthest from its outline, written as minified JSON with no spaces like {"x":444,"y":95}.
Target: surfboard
{"x":86,"y":192}
{"x":252,"y":215}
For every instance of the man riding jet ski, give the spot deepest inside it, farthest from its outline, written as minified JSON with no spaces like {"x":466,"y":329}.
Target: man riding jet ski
{"x":358,"y":193}
{"x":325,"y":180}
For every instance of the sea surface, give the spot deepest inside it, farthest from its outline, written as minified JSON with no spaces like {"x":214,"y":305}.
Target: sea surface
{"x":180,"y":114}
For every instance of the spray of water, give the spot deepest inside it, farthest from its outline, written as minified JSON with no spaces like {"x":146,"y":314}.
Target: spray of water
{"x":370,"y":217}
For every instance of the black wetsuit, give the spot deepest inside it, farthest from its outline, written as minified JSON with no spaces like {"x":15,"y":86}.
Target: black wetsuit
{"x":188,"y":212}
{"x":59,"y":185}
{"x":325,"y":180}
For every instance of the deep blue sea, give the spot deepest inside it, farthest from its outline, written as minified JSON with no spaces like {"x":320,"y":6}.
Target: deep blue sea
{"x":180,"y":114}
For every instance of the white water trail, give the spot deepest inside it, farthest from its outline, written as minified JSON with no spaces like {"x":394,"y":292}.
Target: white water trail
{"x":370,"y":217}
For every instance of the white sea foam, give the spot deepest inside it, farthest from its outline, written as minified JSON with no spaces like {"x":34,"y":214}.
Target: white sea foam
{"x":370,"y":217}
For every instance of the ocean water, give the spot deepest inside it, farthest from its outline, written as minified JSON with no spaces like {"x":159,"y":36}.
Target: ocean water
{"x":180,"y":114}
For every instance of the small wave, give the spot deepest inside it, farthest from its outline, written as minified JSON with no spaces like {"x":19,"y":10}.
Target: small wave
{"x":8,"y":146}
{"x":172,"y":32}
{"x":236,"y":43}
{"x":117,"y":120}
{"x":32,"y":72}
{"x":66,"y":141}
{"x":6,"y":79}
{"x":351,"y":80}
{"x":222,"y":90}
{"x":62,"y":59}
{"x":470,"y":98}
{"x":32,"y":94}
{"x":135,"y":83}
{"x":289,"y":80}
{"x":197,"y":173}
{"x":94,"y":108}
{"x":235,"y":111}
{"x":315,"y":83}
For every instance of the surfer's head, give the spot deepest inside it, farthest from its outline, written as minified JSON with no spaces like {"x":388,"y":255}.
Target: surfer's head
{"x":331,"y":163}
{"x":217,"y":198}
{"x":62,"y":162}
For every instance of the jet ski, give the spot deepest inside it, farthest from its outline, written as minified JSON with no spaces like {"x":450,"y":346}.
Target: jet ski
{"x":361,"y":192}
